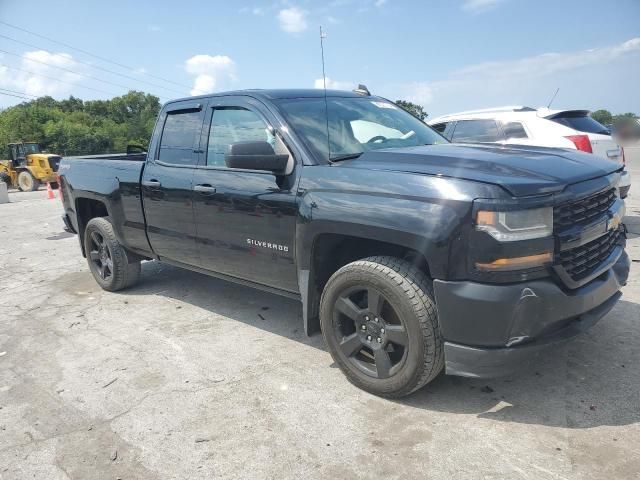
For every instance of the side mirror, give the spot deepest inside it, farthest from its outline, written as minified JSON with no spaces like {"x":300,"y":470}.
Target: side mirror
{"x":255,"y":156}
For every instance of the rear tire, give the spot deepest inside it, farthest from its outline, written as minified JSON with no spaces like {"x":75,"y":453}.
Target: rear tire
{"x":379,"y":321}
{"x":108,"y":260}
{"x":27,"y":182}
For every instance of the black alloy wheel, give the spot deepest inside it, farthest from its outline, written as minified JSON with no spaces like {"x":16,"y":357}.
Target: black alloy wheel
{"x":100,"y":255}
{"x":112,"y":266}
{"x":371,"y":333}
{"x":380,"y":322}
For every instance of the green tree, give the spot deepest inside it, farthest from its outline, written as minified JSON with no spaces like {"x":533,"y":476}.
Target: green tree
{"x":413,"y":108}
{"x":75,"y":127}
{"x":603,"y":116}
{"x":623,"y":117}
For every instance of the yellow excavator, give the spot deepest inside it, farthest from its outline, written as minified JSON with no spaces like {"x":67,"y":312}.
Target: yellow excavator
{"x":28,"y":167}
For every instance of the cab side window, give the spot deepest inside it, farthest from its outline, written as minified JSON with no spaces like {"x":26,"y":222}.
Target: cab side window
{"x":181,"y":129}
{"x":235,"y":124}
{"x":476,"y":131}
{"x":231,"y":125}
{"x":439,"y":127}
{"x":514,"y":130}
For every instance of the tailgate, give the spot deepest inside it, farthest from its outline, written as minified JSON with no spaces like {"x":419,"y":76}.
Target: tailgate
{"x":605,"y":147}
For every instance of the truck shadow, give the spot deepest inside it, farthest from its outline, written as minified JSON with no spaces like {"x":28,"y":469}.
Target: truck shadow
{"x":266,"y":311}
{"x":591,"y":382}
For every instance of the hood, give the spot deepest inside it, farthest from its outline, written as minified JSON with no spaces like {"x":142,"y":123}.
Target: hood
{"x":521,"y":170}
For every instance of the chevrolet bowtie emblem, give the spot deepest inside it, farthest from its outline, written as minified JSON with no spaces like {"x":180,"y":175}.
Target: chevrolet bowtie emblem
{"x":616,"y":216}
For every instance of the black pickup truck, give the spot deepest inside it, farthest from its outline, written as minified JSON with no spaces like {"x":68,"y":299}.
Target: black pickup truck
{"x":410,"y":254}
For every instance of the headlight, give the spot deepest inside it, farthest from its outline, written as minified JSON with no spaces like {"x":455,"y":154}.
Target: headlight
{"x":516,"y":225}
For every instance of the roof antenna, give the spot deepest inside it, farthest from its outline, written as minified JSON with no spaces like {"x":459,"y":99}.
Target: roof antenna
{"x":324,"y":86}
{"x":553,"y":98}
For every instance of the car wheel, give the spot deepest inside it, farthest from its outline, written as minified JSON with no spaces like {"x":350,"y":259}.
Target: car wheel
{"x":27,"y":182}
{"x":380,"y":324}
{"x":108,"y":260}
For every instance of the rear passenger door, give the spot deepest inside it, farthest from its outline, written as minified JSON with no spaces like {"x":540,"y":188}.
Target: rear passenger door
{"x":167,"y":189}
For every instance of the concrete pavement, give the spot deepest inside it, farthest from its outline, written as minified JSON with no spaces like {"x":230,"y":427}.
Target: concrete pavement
{"x":188,"y":377}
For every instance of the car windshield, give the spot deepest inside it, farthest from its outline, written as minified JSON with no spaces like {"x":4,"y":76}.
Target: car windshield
{"x":354,"y":125}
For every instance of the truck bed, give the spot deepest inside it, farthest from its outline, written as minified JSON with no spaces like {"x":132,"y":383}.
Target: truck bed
{"x":113,"y":180}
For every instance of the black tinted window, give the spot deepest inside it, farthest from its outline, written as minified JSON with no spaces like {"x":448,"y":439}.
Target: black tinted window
{"x":580,"y":122}
{"x":179,"y":137}
{"x":476,"y":131}
{"x":513,"y":130}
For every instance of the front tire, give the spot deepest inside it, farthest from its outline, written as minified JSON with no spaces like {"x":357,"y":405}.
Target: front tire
{"x":27,"y":182}
{"x":108,"y":260}
{"x":380,"y":323}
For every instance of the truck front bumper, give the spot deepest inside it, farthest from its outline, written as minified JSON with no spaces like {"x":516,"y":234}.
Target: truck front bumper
{"x":492,"y":330}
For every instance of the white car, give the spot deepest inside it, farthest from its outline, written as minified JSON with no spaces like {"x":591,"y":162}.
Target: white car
{"x":574,"y":129}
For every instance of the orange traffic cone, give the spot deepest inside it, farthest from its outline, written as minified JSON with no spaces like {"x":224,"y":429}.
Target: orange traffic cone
{"x":50,"y":194}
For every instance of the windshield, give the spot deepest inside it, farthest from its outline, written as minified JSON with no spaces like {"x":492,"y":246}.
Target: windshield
{"x":30,"y":148}
{"x":355,"y":125}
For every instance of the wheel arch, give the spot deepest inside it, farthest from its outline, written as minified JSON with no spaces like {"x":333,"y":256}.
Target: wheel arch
{"x":330,"y":250}
{"x":86,"y":209}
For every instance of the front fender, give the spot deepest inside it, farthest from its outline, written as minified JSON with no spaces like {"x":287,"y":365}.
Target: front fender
{"x":423,"y":213}
{"x":426,"y":228}
{"x":422,"y":226}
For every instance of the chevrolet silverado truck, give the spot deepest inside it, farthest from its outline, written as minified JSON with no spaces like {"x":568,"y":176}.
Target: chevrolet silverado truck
{"x":411,"y":255}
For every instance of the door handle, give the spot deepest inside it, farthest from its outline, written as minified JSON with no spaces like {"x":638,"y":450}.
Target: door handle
{"x":151,"y":183}
{"x":204,"y":189}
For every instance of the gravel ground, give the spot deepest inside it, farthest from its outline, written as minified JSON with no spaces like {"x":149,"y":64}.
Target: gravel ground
{"x":188,"y":377}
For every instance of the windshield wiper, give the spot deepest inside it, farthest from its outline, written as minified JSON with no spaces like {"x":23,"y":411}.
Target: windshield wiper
{"x":346,"y":156}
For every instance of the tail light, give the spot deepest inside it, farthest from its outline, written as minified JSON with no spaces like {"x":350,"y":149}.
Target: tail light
{"x":581,"y":142}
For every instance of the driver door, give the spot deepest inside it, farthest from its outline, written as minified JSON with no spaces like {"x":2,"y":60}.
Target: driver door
{"x":245,"y":219}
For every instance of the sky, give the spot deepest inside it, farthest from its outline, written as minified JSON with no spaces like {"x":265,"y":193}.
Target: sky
{"x":447,"y":56}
